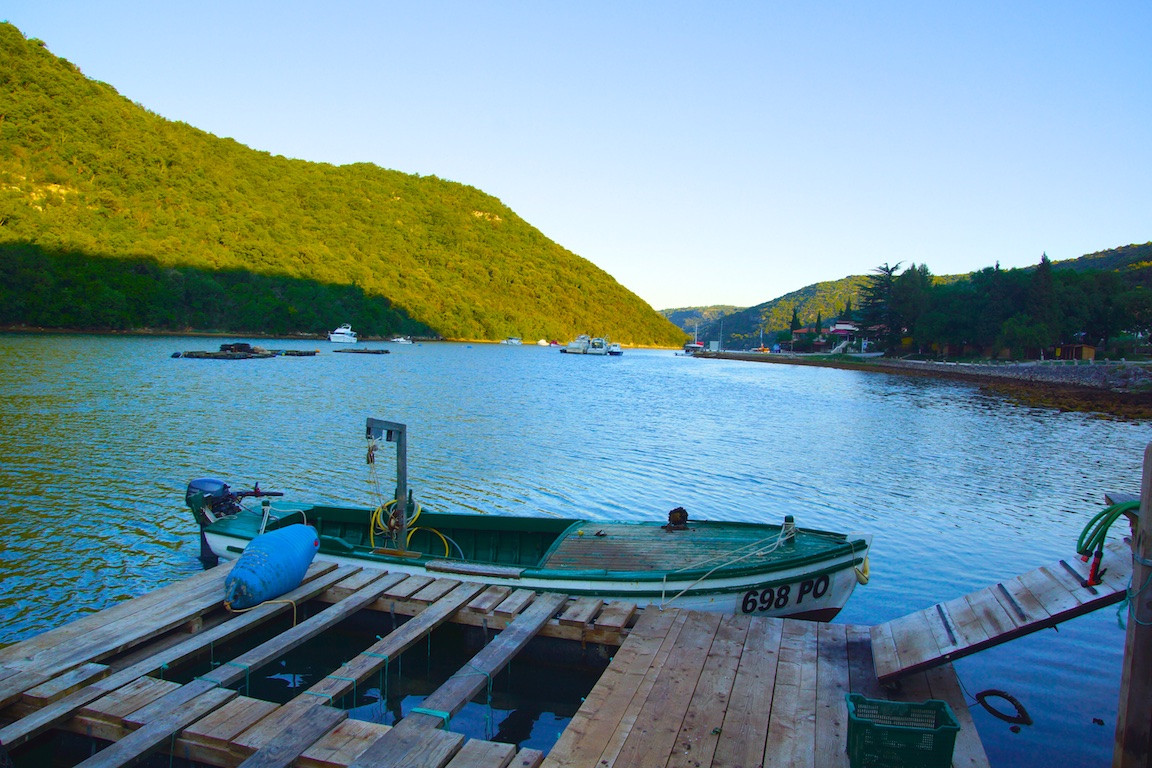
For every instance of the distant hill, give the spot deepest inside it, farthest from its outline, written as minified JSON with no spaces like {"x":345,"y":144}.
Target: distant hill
{"x":114,"y":217}
{"x":741,"y":327}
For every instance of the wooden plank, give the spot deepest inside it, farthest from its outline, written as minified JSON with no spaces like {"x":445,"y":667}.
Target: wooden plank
{"x":745,"y":725}
{"x":266,"y":730}
{"x":967,"y":625}
{"x":527,"y":758}
{"x":27,"y":650}
{"x":702,"y":727}
{"x":434,"y":591}
{"x":474,"y":569}
{"x":832,"y":683}
{"x":1050,"y":593}
{"x":408,"y":587}
{"x":861,"y":669}
{"x":623,"y":730}
{"x":515,"y":603}
{"x":581,"y":612}
{"x":915,"y":641}
{"x":342,"y":745}
{"x":295,"y":739}
{"x":591,"y":730}
{"x":884,"y":655}
{"x":1014,"y":596}
{"x":461,"y":687}
{"x":130,"y":698}
{"x":218,"y":728}
{"x":663,"y":712}
{"x":62,"y":685}
{"x":944,"y":685}
{"x":428,"y":748}
{"x":140,"y":743}
{"x":373,"y":658}
{"x":791,"y":732}
{"x":172,"y":699}
{"x":489,"y":599}
{"x":483,"y":754}
{"x":616,"y":615}
{"x":995,"y":620}
{"x":229,"y":673}
{"x":458,"y":690}
{"x":32,"y":725}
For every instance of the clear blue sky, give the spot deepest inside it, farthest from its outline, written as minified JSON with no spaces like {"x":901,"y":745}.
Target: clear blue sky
{"x":701,"y":153}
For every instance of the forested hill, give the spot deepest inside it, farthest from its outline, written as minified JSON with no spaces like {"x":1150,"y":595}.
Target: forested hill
{"x":114,"y":217}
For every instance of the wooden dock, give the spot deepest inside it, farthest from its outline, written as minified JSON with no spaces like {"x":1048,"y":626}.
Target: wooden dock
{"x":682,"y":689}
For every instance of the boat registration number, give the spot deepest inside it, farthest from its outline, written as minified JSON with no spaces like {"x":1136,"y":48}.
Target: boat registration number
{"x":778,"y":598}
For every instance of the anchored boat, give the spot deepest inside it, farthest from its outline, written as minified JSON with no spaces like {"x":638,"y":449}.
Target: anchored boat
{"x":763,"y":569}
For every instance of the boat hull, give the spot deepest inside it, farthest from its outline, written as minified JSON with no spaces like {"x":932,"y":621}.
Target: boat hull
{"x":812,"y":587}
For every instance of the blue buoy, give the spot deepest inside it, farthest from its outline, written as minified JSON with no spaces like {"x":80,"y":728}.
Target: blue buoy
{"x":273,"y":563}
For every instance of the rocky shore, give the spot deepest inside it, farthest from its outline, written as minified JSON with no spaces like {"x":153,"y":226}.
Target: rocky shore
{"x":1120,"y":390}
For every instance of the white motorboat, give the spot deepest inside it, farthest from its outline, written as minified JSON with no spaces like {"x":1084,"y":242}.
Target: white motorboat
{"x":343,"y":335}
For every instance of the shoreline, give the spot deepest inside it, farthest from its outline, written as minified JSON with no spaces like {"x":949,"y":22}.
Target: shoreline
{"x":1115,"y":390}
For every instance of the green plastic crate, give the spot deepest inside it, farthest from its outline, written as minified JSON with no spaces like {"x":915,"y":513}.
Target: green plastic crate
{"x":896,"y":734}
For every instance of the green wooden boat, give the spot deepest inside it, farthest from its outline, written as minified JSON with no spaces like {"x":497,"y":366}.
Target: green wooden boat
{"x":731,"y":567}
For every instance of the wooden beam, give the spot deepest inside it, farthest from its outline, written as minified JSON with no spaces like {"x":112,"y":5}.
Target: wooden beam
{"x":294,"y":740}
{"x":140,"y":743}
{"x":1134,"y":720}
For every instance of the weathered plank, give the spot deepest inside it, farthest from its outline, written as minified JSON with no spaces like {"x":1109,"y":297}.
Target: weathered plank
{"x":791,"y":735}
{"x":702,"y":726}
{"x":832,"y":683}
{"x":291,"y":742}
{"x":451,"y":697}
{"x":487,"y":601}
{"x":745,"y":727}
{"x":31,"y":725}
{"x":425,"y":747}
{"x":342,"y":745}
{"x":515,"y":603}
{"x":616,"y":615}
{"x":581,"y":612}
{"x":667,"y":702}
{"x":140,"y":743}
{"x":483,"y":754}
{"x":434,"y":591}
{"x":591,"y":731}
{"x":373,"y":658}
{"x":1040,"y":598}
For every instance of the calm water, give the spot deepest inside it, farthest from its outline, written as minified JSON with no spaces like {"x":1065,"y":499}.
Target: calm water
{"x":99,"y":435}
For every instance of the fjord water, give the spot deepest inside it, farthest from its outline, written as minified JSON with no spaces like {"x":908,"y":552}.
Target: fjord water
{"x":959,"y":488}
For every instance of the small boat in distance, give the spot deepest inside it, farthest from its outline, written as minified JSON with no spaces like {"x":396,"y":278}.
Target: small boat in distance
{"x":598,"y":346}
{"x":515,"y":341}
{"x":729,"y":567}
{"x":615,"y":349}
{"x":343,"y":335}
{"x":400,"y":340}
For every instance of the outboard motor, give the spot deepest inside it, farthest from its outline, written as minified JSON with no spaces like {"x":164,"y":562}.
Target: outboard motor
{"x":211,"y":500}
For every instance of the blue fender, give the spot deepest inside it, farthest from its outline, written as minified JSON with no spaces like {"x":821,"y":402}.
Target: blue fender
{"x":273,"y":563}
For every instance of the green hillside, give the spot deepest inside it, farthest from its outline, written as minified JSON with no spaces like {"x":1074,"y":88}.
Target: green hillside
{"x":142,"y":221}
{"x":741,"y":327}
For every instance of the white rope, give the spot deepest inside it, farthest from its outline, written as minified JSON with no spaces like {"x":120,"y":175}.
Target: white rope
{"x":781,"y":537}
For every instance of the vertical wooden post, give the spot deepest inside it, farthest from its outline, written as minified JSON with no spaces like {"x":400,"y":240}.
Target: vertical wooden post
{"x":1134,"y":722}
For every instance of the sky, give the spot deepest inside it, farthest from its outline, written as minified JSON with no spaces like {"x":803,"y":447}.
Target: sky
{"x":700,"y":153}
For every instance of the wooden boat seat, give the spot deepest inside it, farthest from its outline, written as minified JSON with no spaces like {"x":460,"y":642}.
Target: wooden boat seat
{"x":474,"y":569}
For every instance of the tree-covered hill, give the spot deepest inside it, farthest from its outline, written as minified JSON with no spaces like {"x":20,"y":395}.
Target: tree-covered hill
{"x":741,"y":328}
{"x":123,"y":208}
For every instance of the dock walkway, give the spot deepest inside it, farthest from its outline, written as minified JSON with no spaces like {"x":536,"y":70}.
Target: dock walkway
{"x":698,"y":689}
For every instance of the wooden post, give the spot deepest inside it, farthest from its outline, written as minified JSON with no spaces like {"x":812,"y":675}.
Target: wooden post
{"x":1134,"y":721}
